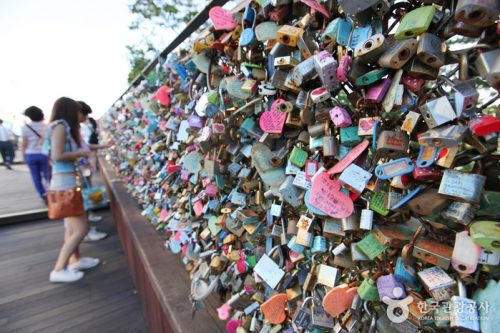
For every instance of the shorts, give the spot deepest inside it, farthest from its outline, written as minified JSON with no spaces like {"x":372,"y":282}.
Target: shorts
{"x":62,"y":181}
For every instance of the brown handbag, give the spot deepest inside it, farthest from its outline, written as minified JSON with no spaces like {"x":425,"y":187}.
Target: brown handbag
{"x":65,"y":203}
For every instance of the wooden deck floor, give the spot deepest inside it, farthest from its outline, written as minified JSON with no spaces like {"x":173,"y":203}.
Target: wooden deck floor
{"x":103,"y":301}
{"x":17,"y":192}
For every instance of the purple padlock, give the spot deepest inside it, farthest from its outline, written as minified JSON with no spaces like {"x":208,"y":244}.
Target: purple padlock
{"x":387,"y":285}
{"x":343,"y":69}
{"x":340,"y":117}
{"x":195,"y":121}
{"x":377,"y":92}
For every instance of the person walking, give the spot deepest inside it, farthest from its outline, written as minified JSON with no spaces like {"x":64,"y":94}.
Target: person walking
{"x":64,"y":147}
{"x":6,"y":145}
{"x":38,"y":163}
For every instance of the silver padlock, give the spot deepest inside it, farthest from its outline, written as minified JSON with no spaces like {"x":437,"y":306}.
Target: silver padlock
{"x":392,"y":143}
{"x":464,"y":315}
{"x":326,"y":67}
{"x":459,"y":212}
{"x":330,"y":145}
{"x":431,"y":50}
{"x":370,"y":49}
{"x":304,"y":72}
{"x":464,"y":186}
{"x":350,"y":223}
{"x":291,"y":193}
{"x":488,"y":67}
{"x":398,"y":53}
{"x":437,"y":112}
{"x":444,"y":136}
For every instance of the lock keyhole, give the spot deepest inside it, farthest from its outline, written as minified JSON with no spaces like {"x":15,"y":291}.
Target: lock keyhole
{"x":368,"y":45}
{"x":462,"y":267}
{"x":431,"y":60}
{"x":286,"y":38}
{"x":475,"y":15}
{"x":403,"y":54}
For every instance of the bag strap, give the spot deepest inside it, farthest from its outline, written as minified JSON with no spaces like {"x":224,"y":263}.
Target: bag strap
{"x":31,"y":128}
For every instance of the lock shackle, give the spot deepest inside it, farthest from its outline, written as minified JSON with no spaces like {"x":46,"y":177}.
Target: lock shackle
{"x":306,"y":300}
{"x":280,"y":254}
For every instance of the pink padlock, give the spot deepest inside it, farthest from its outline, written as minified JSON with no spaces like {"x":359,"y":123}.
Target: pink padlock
{"x":377,"y":92}
{"x":412,"y":84}
{"x":340,"y":117}
{"x":343,"y":69}
{"x":224,"y":311}
{"x":211,"y":190}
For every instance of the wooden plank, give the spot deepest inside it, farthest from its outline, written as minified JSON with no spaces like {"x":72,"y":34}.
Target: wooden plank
{"x":30,"y":303}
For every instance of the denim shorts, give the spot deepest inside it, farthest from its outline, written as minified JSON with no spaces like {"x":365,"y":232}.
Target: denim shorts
{"x":62,"y":181}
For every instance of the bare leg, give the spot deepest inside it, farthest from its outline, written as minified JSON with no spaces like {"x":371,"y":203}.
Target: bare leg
{"x":79,"y":228}
{"x":75,"y":256}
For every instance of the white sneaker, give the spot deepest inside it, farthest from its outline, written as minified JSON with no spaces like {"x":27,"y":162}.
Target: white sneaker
{"x":94,"y":218}
{"x":94,"y":235}
{"x":84,"y":263}
{"x":65,"y":275}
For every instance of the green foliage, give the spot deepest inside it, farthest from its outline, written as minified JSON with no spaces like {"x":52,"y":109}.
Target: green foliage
{"x":163,"y":14}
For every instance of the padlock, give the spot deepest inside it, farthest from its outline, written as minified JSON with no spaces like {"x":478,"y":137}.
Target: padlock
{"x":488,"y":67}
{"x":433,"y":252}
{"x":438,"y":112}
{"x":437,"y":283}
{"x":368,"y":290}
{"x":290,"y":193}
{"x":340,"y":117}
{"x":477,"y":13}
{"x":428,"y":202}
{"x":355,"y":178}
{"x":361,"y":11}
{"x":370,"y":246}
{"x":298,"y":156}
{"x":447,"y":136}
{"x":302,"y":316}
{"x":462,"y":186}
{"x":459,"y":212}
{"x":420,"y":70}
{"x":370,"y":49}
{"x":393,"y":235}
{"x":326,"y":67}
{"x":415,"y":22}
{"x":486,"y":234}
{"x":330,"y":145}
{"x":304,"y":236}
{"x":392,"y":144}
{"x":319,"y":318}
{"x":350,"y":223}
{"x":377,"y":92}
{"x":371,"y":77}
{"x":366,"y":218}
{"x":269,"y":270}
{"x":328,"y":275}
{"x":304,"y":72}
{"x":466,"y":254}
{"x":398,"y":53}
{"x":288,"y":35}
{"x":484,"y":125}
{"x":406,"y":274}
{"x":349,"y":136}
{"x":319,"y":95}
{"x":343,"y":68}
{"x":463,"y":320}
{"x":388,"y":286}
{"x":431,"y":50}
{"x":311,"y":277}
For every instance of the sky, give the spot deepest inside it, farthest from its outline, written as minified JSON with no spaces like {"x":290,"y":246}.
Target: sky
{"x":55,"y":48}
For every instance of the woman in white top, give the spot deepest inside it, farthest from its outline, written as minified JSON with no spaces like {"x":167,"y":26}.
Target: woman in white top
{"x":33,"y":136}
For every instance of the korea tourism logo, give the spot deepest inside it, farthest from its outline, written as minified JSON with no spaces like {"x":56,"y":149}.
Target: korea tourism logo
{"x":397,"y":309}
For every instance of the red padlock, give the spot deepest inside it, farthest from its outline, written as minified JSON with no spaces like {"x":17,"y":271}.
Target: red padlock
{"x":431,"y":173}
{"x":487,"y":124}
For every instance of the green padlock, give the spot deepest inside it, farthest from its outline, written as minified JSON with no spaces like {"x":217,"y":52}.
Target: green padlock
{"x":415,"y":22}
{"x":349,"y":136}
{"x":371,"y":77}
{"x":486,"y":234}
{"x":377,"y":203}
{"x":247,"y":125}
{"x":298,"y":156}
{"x":368,"y":289}
{"x":370,"y":246}
{"x":213,"y":97}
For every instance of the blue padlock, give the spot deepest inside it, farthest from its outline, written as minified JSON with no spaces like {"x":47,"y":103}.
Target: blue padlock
{"x":191,"y":67}
{"x":344,"y":32}
{"x":360,"y":34}
{"x":181,"y":70}
{"x":319,"y":244}
{"x":297,"y":248}
{"x":247,"y":38}
{"x":406,"y":274}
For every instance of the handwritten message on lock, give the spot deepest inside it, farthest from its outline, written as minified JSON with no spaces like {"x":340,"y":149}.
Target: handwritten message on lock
{"x":326,"y":196}
{"x":221,"y":19}
{"x":273,"y":121}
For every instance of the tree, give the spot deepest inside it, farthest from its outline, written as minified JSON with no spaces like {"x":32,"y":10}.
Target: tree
{"x":151,"y":16}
